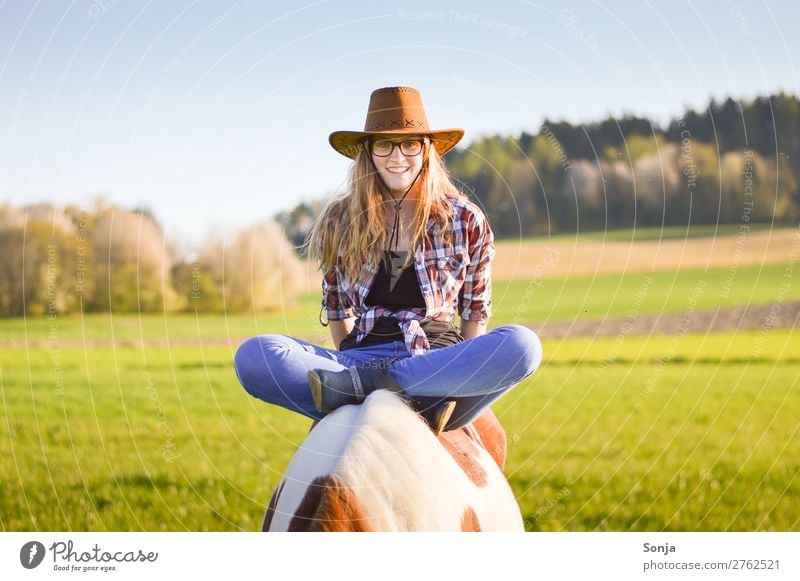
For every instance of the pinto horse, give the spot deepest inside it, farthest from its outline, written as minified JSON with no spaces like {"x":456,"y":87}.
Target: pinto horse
{"x":378,"y":467}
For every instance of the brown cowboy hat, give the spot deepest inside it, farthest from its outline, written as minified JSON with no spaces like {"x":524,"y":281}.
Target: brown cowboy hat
{"x":395,"y":111}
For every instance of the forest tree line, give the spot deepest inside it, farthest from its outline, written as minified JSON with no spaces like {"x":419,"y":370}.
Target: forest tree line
{"x":733,"y":162}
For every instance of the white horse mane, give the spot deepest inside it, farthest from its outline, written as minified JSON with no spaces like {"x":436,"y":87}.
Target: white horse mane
{"x":403,"y":478}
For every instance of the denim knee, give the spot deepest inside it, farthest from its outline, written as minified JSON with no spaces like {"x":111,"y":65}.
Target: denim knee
{"x":526,"y":344}
{"x":250,"y":361}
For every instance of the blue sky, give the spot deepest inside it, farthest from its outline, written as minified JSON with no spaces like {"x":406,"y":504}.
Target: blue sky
{"x":216,"y":114}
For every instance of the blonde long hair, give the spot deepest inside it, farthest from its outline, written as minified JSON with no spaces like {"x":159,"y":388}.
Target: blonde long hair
{"x":351,"y":231}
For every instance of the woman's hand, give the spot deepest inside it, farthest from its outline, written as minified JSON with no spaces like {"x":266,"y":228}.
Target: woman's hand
{"x":471,"y":329}
{"x":340,"y":330}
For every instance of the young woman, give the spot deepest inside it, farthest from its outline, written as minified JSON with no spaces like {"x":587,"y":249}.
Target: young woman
{"x":401,"y":251}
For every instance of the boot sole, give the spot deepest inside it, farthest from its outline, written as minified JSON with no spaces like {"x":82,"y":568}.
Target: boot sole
{"x":315,"y":383}
{"x":443,"y":417}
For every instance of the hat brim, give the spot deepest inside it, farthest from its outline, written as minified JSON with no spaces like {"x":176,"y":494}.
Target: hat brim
{"x":349,"y":142}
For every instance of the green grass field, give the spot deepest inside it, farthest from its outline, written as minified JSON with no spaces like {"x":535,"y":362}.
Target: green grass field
{"x":605,"y":436}
{"x":655,"y":233}
{"x":685,"y":432}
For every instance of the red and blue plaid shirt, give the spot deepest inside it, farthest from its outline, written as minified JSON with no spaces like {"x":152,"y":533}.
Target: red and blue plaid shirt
{"x":454,"y":272}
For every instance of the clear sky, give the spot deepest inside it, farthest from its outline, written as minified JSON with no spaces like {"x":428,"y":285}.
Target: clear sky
{"x":216,"y":114}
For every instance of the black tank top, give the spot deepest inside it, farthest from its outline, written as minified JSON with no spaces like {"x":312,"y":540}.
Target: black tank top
{"x":394,"y":286}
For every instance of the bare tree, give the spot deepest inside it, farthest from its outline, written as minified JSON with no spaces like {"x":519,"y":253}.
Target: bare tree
{"x":37,"y":273}
{"x":656,"y":179}
{"x":258,"y":271}
{"x":132,"y":262}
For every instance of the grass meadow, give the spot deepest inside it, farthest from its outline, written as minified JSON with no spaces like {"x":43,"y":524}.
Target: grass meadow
{"x":103,"y":431}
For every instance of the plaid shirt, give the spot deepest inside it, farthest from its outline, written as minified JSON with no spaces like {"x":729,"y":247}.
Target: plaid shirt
{"x":452,"y":275}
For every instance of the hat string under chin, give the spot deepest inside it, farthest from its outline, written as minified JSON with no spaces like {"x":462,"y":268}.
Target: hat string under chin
{"x":394,"y":239}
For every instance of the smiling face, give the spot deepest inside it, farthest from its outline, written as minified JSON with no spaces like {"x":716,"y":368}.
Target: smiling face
{"x":398,"y":170}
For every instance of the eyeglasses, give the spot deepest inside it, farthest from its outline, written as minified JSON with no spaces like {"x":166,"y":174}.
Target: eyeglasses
{"x":409,"y":147}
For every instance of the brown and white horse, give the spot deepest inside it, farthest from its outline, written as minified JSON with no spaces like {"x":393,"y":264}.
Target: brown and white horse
{"x":378,"y":467}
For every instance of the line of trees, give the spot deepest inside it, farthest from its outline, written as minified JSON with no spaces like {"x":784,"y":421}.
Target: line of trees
{"x":60,"y":260}
{"x":732,"y":162}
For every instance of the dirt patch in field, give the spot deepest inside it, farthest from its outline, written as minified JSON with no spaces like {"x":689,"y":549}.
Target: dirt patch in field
{"x":770,"y":316}
{"x":561,"y":258}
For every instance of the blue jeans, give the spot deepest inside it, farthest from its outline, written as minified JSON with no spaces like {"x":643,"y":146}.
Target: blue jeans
{"x":474,"y":373}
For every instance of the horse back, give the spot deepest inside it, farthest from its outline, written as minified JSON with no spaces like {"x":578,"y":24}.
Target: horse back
{"x":377,"y":467}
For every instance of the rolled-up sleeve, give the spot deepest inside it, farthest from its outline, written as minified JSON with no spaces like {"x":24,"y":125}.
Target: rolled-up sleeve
{"x":335,"y":303}
{"x":475,"y":297}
